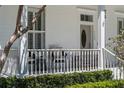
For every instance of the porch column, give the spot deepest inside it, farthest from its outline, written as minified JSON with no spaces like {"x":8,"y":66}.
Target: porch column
{"x":23,"y":45}
{"x":101,"y":32}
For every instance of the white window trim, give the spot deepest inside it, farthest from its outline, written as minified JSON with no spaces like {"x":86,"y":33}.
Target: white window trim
{"x":120,"y":19}
{"x":93,"y":24}
{"x":119,"y":15}
{"x":87,"y":12}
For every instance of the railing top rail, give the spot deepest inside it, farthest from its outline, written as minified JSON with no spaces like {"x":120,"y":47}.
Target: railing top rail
{"x":10,"y":49}
{"x":35,"y":31}
{"x":109,"y":52}
{"x":63,"y":49}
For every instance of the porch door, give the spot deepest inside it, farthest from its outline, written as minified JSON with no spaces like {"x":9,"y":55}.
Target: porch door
{"x":85,"y":36}
{"x":36,"y":35}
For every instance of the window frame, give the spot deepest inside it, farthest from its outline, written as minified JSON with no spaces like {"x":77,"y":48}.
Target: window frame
{"x":86,"y":17}
{"x":118,"y":20}
{"x":34,"y":31}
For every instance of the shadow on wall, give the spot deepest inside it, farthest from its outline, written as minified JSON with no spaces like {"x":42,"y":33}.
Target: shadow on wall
{"x":55,"y":46}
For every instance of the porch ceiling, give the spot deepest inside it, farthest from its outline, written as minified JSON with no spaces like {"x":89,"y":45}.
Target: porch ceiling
{"x":119,"y":8}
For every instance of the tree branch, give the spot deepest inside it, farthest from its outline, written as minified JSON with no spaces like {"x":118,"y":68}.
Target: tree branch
{"x":18,"y":19}
{"x":24,"y":30}
{"x":17,"y":34}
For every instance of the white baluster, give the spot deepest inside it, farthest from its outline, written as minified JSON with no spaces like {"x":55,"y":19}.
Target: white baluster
{"x":50,"y":62}
{"x":43,"y":62}
{"x":93,"y":60}
{"x":87,"y":63}
{"x":82,"y":61}
{"x":40,"y":60}
{"x":32,"y":62}
{"x":70,"y":61}
{"x":79,"y":65}
{"x":107,"y":60}
{"x":114,"y":68}
{"x":90,"y":62}
{"x":98,"y":59}
{"x":61,"y":62}
{"x":54,"y":60}
{"x":28,"y":67}
{"x":66,"y":60}
{"x":65,"y":66}
{"x":35,"y":65}
{"x":58,"y":61}
{"x":46,"y":62}
{"x":75,"y":60}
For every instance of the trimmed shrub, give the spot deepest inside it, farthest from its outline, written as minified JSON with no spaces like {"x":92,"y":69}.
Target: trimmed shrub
{"x":101,"y":84}
{"x":55,"y":80}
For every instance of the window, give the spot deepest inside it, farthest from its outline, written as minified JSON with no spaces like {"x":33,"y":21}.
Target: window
{"x":36,"y":35}
{"x":87,"y":18}
{"x":120,"y":24}
{"x":30,"y":17}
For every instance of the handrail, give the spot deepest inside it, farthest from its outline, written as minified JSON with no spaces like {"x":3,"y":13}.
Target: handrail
{"x":113,"y":55}
{"x":113,"y":63}
{"x":64,"y":49}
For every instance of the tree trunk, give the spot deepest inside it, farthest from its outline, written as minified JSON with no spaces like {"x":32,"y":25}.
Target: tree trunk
{"x":6,"y":50}
{"x":12,"y":39}
{"x":17,"y":34}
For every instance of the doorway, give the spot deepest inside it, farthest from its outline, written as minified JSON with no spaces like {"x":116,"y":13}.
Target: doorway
{"x":85,"y":36}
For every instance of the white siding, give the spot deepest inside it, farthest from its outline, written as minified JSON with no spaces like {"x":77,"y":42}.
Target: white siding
{"x":111,"y":23}
{"x":62,"y":26}
{"x":7,"y":24}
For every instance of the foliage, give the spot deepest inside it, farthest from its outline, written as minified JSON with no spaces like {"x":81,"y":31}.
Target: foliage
{"x":101,"y":84}
{"x":55,"y":80}
{"x":117,"y":44}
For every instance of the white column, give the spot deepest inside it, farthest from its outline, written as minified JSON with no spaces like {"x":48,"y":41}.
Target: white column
{"x":101,"y":31}
{"x":23,"y":45}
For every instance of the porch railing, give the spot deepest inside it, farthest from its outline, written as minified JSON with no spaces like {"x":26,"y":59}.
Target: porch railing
{"x":11,"y":65}
{"x":49,"y":61}
{"x":113,"y":63}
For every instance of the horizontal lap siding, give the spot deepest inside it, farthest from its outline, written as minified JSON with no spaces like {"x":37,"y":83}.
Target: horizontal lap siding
{"x":7,"y":24}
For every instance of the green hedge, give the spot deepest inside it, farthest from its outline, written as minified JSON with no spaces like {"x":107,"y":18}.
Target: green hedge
{"x":101,"y":84}
{"x":55,"y":80}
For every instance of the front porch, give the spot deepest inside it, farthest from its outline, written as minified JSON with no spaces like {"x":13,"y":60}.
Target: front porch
{"x":62,"y":61}
{"x":55,"y":61}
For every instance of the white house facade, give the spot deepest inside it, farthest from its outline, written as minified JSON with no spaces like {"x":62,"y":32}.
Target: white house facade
{"x":79,"y":32}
